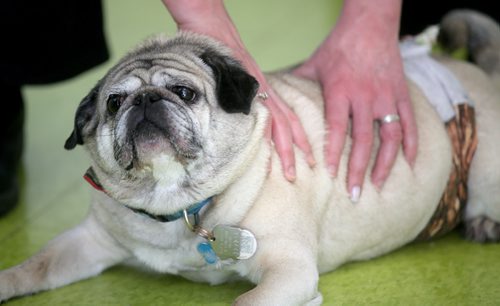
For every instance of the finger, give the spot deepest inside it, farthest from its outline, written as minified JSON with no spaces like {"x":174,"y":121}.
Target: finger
{"x":409,"y":129}
{"x":284,"y":146}
{"x":300,"y":139}
{"x":280,"y":131}
{"x":299,"y":136}
{"x":282,"y":138}
{"x":390,"y":142}
{"x":269,"y":134}
{"x":306,"y":70}
{"x":337,"y":119}
{"x":284,"y":132}
{"x":362,"y":141}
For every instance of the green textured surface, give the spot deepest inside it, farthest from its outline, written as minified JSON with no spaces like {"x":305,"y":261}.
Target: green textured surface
{"x":448,"y":271}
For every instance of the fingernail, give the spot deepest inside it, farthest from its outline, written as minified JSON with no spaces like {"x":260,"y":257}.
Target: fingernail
{"x":310,"y":160}
{"x":412,"y":164}
{"x":355,"y":193}
{"x":377,"y":183}
{"x":290,"y":174}
{"x":332,"y":169}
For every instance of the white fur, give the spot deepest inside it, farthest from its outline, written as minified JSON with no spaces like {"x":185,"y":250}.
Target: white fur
{"x":303,"y":228}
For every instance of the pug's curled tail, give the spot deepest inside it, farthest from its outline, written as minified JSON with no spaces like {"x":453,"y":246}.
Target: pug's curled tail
{"x":475,"y":32}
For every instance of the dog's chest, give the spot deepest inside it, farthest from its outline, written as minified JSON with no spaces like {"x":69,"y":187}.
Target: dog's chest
{"x":181,"y":256}
{"x":171,"y":248}
{"x":169,"y":256}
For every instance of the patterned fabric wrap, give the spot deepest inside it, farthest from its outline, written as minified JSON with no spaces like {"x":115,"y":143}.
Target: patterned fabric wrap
{"x":463,"y":136}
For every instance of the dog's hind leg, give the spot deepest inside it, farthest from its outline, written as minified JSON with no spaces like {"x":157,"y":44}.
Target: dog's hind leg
{"x":76,"y":254}
{"x":480,"y":36}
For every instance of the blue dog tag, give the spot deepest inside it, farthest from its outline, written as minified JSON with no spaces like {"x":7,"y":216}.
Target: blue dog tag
{"x":206,"y":250}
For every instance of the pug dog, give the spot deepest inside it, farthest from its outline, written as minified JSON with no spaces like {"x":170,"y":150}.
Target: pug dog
{"x":187,"y":184}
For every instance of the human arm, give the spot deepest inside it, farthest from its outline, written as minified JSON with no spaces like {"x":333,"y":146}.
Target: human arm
{"x":210,"y":17}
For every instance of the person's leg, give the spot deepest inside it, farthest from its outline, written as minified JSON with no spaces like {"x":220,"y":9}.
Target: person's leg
{"x":68,"y":38}
{"x":11,"y":145}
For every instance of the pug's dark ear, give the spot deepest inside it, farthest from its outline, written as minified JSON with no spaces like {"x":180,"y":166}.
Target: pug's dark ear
{"x":84,"y":114}
{"x":235,"y":87}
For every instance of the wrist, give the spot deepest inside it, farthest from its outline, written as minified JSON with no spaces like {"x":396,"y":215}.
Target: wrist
{"x":187,"y":13}
{"x":373,"y":19}
{"x":207,"y":17}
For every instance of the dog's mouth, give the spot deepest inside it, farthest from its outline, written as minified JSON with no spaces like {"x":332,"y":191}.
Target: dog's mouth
{"x":148,"y":140}
{"x":155,"y":131}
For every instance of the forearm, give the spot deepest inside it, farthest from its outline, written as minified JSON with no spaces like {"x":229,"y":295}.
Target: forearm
{"x":207,"y":17}
{"x":377,"y":19}
{"x":188,"y":12}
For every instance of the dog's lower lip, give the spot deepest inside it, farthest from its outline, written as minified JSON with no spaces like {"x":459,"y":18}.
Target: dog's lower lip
{"x":147,"y":140}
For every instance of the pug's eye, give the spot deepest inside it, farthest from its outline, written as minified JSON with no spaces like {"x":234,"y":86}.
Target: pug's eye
{"x":185,"y":93}
{"x":114,"y":102}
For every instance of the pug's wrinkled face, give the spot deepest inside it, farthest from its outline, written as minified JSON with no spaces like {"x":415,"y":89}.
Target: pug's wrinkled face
{"x":168,"y":119}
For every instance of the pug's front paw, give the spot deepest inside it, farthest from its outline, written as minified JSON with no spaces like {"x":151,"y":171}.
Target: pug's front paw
{"x":482,"y":229}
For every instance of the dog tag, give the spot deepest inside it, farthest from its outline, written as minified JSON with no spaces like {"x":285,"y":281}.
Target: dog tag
{"x":205,"y":249}
{"x":233,"y":243}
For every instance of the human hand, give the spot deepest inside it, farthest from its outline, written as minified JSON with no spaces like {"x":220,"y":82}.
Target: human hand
{"x":360,"y":70}
{"x":211,"y":18}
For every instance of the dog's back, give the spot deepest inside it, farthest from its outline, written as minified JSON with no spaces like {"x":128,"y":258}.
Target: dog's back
{"x":382,"y":221}
{"x":479,"y":35}
{"x":310,"y":225}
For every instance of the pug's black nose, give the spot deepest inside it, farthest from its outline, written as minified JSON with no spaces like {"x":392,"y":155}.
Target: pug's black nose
{"x":147,"y":97}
